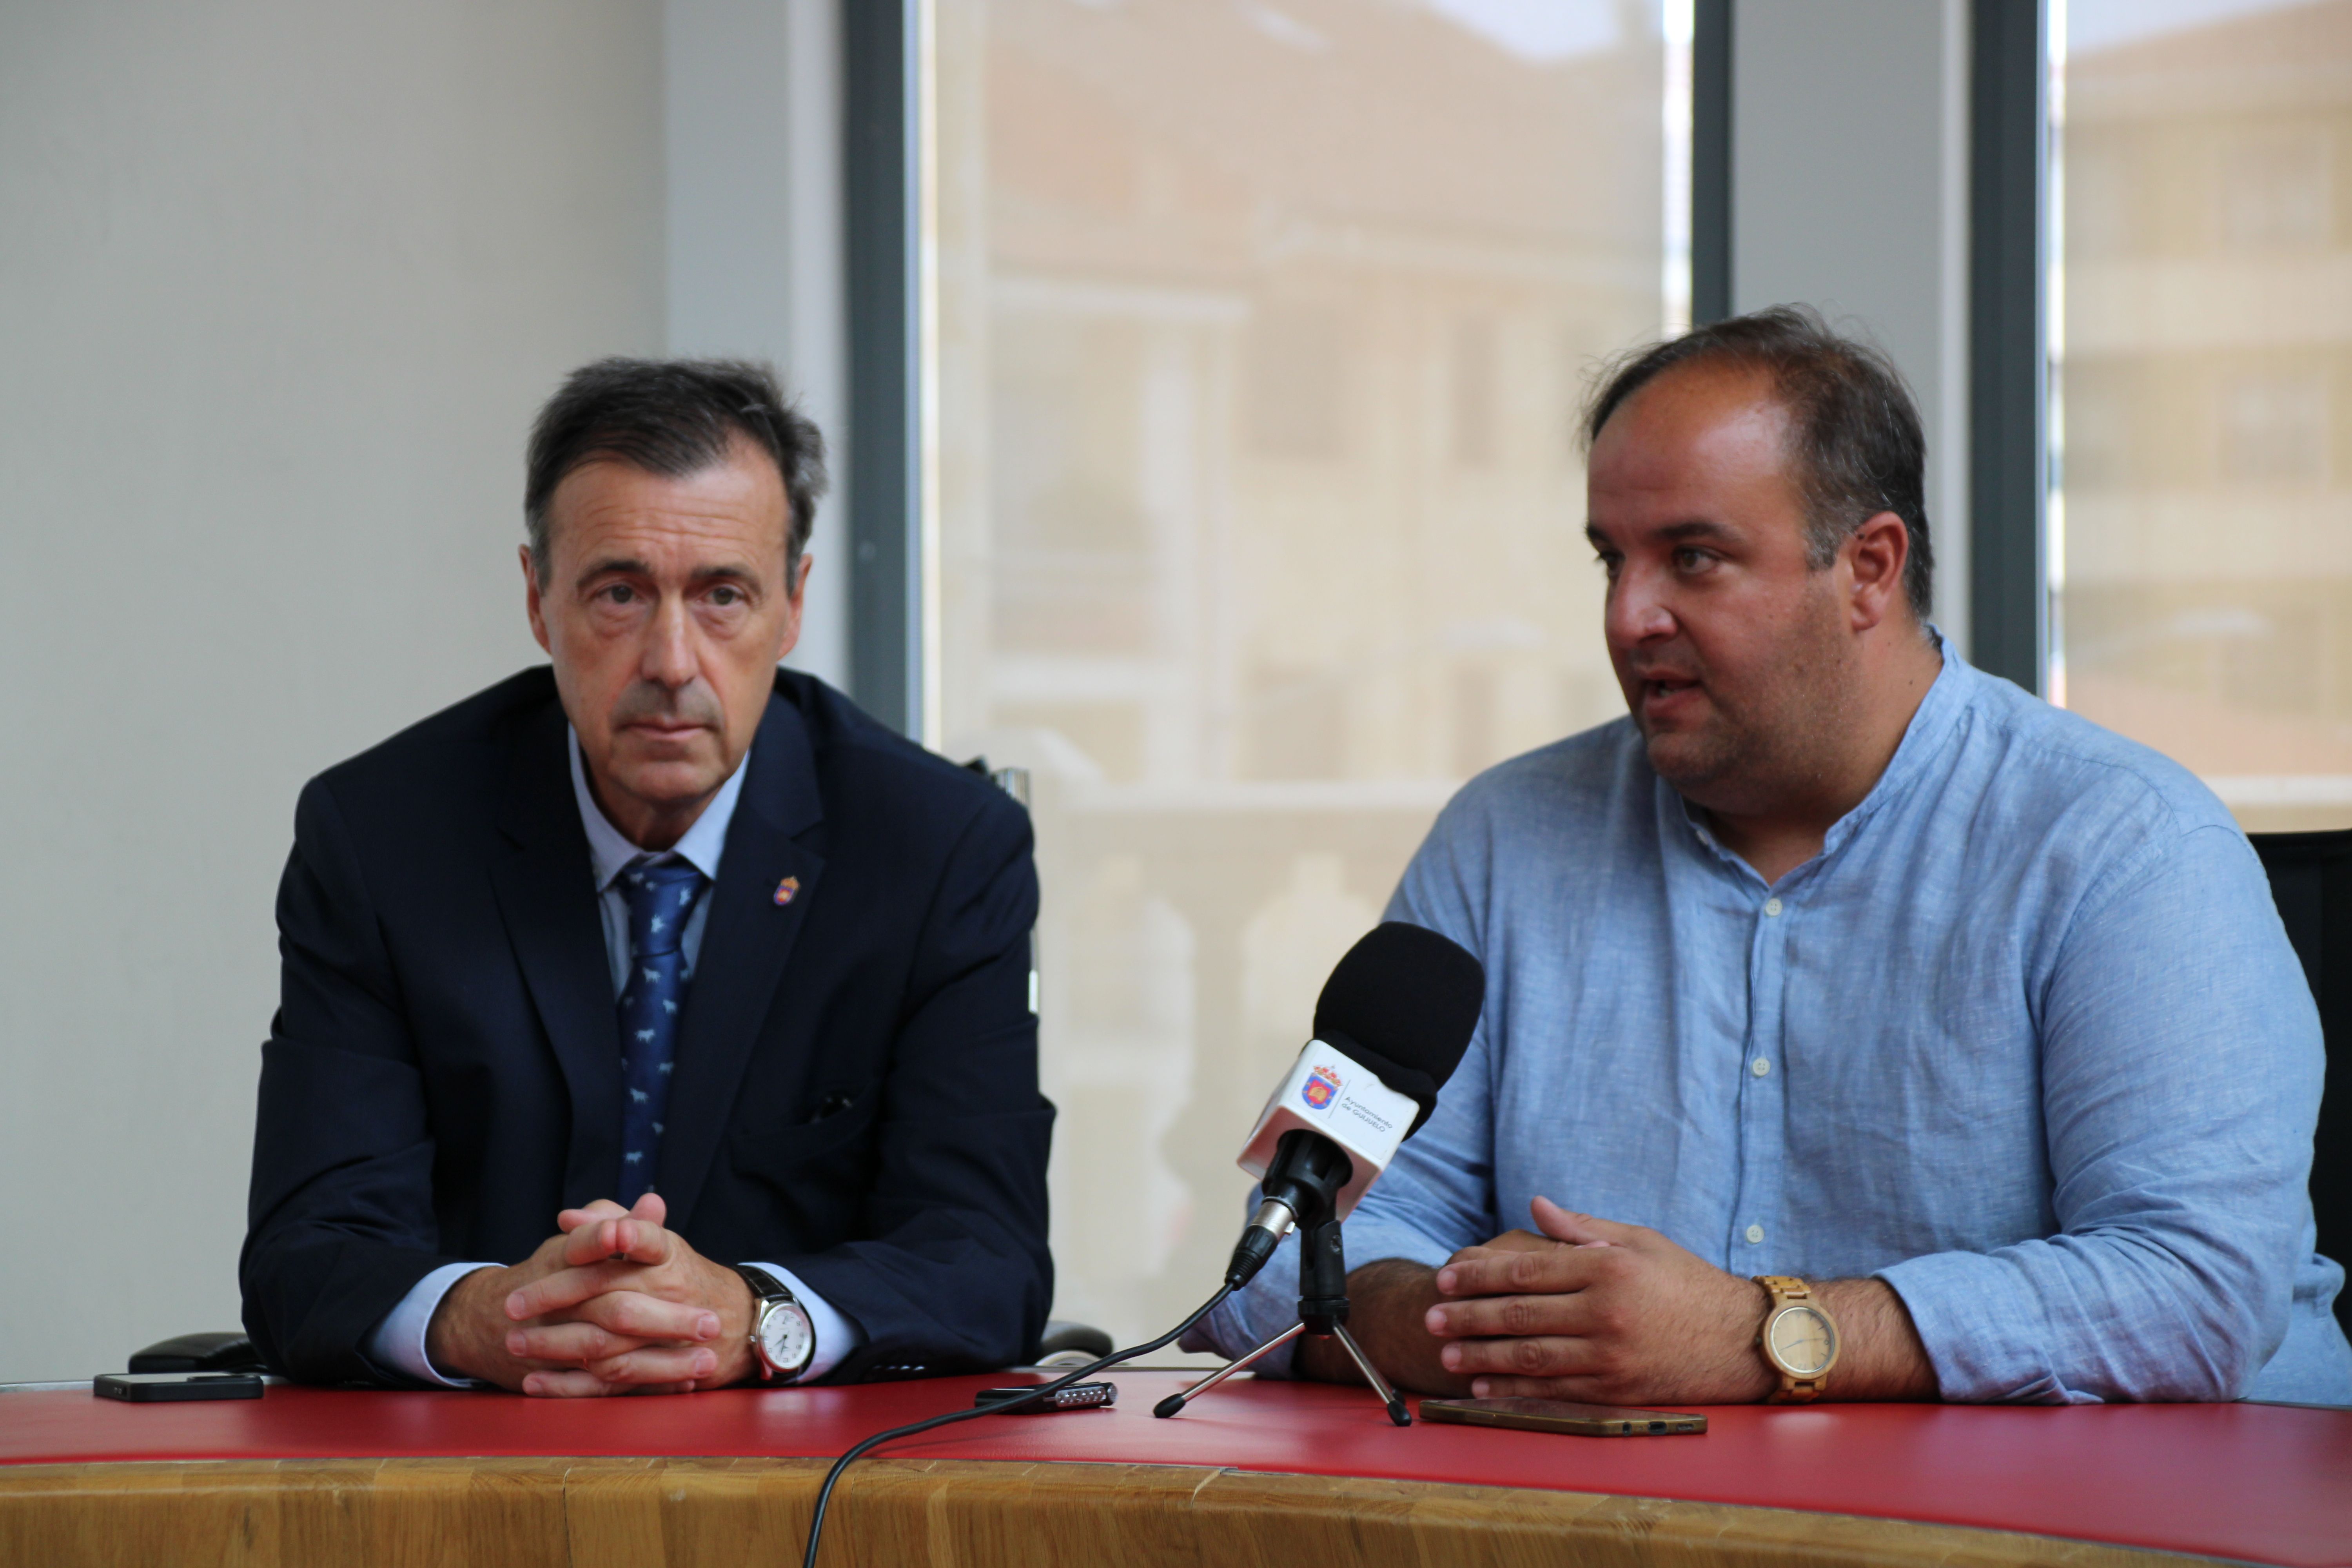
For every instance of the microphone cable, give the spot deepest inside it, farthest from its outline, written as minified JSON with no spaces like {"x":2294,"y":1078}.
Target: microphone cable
{"x":824,"y":1493}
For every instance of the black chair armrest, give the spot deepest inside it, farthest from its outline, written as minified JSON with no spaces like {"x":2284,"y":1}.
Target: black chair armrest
{"x":199,"y":1353}
{"x":1073,"y":1344}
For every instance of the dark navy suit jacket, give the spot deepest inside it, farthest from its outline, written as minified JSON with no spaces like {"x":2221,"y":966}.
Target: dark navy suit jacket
{"x":855,"y":1097}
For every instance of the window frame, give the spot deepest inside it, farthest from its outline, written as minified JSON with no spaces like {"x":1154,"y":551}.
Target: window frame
{"x":880,"y":455}
{"x":2009,"y":342}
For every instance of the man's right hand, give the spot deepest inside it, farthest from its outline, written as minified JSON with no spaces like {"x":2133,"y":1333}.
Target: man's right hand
{"x":1591,"y":1310}
{"x":472,"y":1336}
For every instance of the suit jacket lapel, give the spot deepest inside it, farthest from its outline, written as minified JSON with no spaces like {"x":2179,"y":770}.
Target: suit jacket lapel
{"x":746,"y":939}
{"x":547,"y":896}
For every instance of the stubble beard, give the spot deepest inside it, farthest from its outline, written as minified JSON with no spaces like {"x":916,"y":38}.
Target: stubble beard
{"x":1771,"y":740}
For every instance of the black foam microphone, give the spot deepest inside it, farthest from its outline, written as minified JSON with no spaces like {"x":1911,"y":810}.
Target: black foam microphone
{"x":1389,"y":1029}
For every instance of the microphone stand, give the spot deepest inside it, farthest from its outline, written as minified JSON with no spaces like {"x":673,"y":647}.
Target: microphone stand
{"x":1322,"y":1314}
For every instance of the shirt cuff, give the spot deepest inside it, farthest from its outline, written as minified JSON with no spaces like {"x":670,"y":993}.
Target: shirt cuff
{"x":1979,"y":1357}
{"x":836,"y":1337}
{"x":398,"y":1340}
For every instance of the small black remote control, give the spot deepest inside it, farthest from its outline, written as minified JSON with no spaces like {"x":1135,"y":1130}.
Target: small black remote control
{"x":1078,"y":1396}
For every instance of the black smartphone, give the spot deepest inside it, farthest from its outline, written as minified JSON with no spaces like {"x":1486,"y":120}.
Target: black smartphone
{"x":1562,"y":1416}
{"x":1078,"y":1396}
{"x":164,"y":1387}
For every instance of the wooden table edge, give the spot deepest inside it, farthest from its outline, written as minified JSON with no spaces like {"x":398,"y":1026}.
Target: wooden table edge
{"x":585,"y":1512}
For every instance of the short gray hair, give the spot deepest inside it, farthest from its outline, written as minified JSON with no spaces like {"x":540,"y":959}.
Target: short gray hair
{"x":672,"y":417}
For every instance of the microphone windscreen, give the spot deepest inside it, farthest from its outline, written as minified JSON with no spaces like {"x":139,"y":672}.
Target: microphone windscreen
{"x":1407,"y":996}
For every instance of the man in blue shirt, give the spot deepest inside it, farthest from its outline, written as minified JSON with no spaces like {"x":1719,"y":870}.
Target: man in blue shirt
{"x":1848,"y":996}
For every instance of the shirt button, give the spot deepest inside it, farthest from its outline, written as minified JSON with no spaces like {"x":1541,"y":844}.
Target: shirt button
{"x":1759,"y":1067}
{"x":1755,"y":1234}
{"x":1771,"y":906}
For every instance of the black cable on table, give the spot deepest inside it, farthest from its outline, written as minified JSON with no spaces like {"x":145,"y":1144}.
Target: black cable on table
{"x":816,"y":1523}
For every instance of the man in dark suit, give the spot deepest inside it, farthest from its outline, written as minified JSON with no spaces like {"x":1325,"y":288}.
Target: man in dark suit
{"x":655,"y":1020}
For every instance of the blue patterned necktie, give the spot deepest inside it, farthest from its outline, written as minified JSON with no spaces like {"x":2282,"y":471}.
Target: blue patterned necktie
{"x":660,"y":900}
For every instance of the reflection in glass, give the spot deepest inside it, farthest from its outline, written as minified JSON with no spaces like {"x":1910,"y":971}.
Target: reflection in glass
{"x":1261,"y":328}
{"x":2201,"y":514}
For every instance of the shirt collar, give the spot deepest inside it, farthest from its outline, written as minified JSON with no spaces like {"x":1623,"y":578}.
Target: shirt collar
{"x":610,"y":853}
{"x":1932,"y":722}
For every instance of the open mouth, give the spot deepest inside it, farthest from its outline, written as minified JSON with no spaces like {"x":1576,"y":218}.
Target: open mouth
{"x":1670,"y":699}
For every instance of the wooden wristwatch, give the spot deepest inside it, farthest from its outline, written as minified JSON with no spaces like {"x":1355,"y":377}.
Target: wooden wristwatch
{"x":1799,"y":1337}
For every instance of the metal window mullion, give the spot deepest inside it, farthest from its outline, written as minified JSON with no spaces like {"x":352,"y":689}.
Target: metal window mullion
{"x":879,"y":195}
{"x":1710,"y":155}
{"x":2008,"y":364}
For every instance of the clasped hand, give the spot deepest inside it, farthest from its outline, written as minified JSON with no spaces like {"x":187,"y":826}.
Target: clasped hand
{"x":1592,"y":1311}
{"x":614,"y":1303}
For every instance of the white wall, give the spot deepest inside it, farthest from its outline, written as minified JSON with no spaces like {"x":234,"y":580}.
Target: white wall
{"x":753,"y":140}
{"x":281,"y":285}
{"x":1850,"y":184}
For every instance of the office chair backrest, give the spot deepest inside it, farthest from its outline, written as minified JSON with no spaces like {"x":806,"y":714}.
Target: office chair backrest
{"x":2311,"y":880}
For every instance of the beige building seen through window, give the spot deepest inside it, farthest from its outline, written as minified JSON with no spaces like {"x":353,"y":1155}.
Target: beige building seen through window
{"x":2201,"y":338}
{"x":1260,"y":333}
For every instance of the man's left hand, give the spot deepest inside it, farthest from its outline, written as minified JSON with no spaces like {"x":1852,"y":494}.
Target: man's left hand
{"x":1602,"y":1312}
{"x":624,"y":1278}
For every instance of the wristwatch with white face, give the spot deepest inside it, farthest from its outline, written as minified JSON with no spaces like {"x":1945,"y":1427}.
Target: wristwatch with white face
{"x":1799,"y":1338}
{"x":784,"y":1341}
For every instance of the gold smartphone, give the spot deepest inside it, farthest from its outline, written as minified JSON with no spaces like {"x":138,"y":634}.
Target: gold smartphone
{"x":1560,"y":1415}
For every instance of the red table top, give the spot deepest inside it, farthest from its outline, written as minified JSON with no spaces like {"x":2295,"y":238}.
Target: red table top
{"x":2258,"y":1483}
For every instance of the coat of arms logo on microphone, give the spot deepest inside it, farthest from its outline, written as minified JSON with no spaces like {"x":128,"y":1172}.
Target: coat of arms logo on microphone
{"x":1321,"y":1084}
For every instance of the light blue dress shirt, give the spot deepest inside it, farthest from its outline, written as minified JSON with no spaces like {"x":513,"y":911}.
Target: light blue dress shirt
{"x":2026,"y":1040}
{"x":399,"y":1341}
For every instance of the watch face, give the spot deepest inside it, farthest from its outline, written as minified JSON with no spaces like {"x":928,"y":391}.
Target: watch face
{"x":1802,"y":1341}
{"x":785,"y":1336}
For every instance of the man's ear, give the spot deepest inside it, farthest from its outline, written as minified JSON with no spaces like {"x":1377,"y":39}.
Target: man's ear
{"x":531,"y":600}
{"x":1875,"y":556}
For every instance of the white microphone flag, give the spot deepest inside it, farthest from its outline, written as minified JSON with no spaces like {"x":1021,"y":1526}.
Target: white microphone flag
{"x":1331,"y":1093}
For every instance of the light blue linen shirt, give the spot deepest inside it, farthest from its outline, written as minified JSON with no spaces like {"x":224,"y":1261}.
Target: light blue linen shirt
{"x":2026,"y":1040}
{"x":398,"y":1340}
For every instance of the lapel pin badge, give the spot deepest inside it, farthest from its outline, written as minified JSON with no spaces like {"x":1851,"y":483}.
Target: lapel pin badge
{"x":788,"y":889}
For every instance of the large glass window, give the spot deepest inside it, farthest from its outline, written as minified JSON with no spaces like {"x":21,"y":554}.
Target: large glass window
{"x":1260,"y":327}
{"x":2201,"y":329}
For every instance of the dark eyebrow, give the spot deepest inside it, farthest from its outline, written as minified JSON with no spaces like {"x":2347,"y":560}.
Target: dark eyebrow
{"x":628,"y":566}
{"x":1697,"y":528}
{"x":1671,"y":533}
